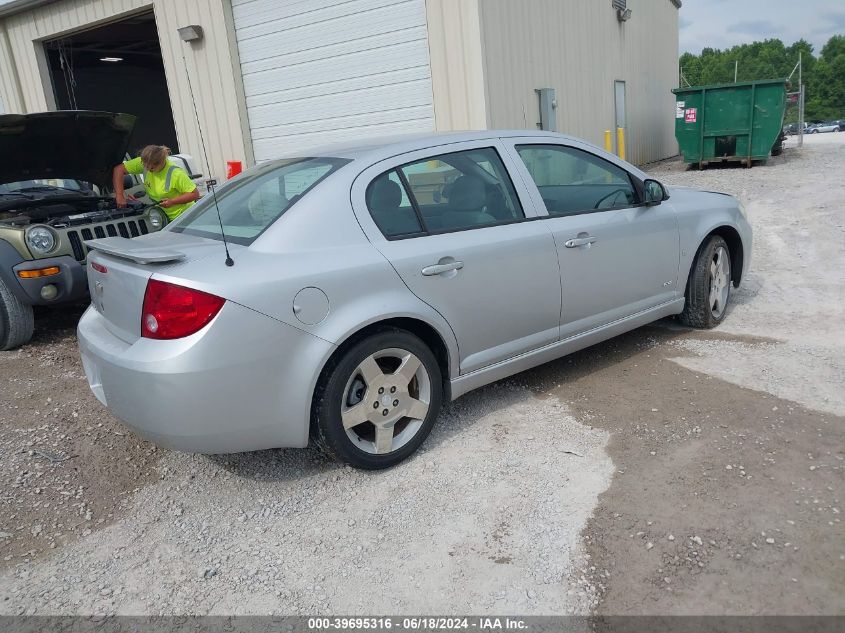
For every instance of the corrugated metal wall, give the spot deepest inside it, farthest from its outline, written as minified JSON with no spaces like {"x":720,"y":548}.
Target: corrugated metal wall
{"x":457,"y":64}
{"x":579,"y":48}
{"x":211,"y":64}
{"x":324,"y":71}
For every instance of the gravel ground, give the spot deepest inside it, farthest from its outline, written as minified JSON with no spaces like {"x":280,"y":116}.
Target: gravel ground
{"x":485,"y":519}
{"x":666,"y":471}
{"x":728,"y":491}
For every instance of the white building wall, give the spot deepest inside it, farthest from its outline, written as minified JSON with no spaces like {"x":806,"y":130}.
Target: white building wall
{"x":274,"y":76}
{"x":212,"y":63}
{"x":317,"y":72}
{"x":580,"y":48}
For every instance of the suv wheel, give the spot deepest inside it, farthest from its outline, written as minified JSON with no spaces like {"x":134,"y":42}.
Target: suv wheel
{"x":16,"y":319}
{"x":376,"y":405}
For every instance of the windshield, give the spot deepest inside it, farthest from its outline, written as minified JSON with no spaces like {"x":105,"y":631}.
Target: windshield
{"x":45,"y":184}
{"x":251,"y":202}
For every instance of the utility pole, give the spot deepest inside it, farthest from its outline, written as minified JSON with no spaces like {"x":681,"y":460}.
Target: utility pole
{"x":736,"y":69}
{"x":800,"y":101}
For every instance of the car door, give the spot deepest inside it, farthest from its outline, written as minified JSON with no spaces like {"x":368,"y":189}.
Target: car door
{"x":461,"y":236}
{"x":617,"y":256}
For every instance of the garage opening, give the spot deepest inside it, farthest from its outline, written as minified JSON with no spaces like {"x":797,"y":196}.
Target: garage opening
{"x":118,"y":68}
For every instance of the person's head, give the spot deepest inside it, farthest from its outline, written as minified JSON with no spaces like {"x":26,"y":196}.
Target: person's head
{"x":154,"y":157}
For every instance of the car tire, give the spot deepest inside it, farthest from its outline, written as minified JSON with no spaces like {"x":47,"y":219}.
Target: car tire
{"x":16,"y":320}
{"x":709,"y":285}
{"x":378,"y":401}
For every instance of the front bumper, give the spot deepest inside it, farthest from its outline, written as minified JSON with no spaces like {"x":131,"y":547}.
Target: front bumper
{"x":71,"y":282}
{"x":242,"y":383}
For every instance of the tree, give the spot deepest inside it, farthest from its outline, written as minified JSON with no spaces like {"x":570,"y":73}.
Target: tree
{"x":824,"y":77}
{"x":826,"y":91}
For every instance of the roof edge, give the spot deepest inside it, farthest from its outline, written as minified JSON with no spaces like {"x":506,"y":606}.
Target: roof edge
{"x":18,"y":6}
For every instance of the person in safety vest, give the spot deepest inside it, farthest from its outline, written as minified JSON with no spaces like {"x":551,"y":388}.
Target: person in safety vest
{"x":168,"y":185}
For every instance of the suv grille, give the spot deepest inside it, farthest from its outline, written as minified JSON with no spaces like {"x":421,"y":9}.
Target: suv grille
{"x":124,"y":228}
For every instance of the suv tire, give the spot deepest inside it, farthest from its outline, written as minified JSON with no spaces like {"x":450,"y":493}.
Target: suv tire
{"x":16,"y":319}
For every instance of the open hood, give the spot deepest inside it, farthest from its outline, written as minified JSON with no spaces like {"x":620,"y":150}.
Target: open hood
{"x":72,"y":144}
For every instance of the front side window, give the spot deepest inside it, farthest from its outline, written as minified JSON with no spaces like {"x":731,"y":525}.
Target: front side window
{"x":447,"y":192}
{"x":254,"y":200}
{"x":574,"y":181}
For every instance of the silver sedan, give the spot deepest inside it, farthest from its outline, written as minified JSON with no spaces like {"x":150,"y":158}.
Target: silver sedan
{"x":358,"y":288}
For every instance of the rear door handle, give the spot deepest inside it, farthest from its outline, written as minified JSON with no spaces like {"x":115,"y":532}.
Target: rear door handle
{"x":439,"y":269}
{"x":579,"y":241}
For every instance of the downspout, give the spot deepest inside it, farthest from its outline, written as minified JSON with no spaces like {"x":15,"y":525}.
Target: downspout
{"x":16,"y":79}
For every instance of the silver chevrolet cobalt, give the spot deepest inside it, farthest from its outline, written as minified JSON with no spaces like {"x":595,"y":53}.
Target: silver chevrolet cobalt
{"x":364,"y":286}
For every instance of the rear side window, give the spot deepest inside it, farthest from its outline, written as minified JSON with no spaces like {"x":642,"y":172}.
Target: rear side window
{"x":390,"y":206}
{"x":443,"y":193}
{"x":574,"y":181}
{"x":253,"y":201}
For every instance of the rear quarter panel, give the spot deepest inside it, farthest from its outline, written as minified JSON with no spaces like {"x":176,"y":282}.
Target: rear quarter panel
{"x":318,"y":243}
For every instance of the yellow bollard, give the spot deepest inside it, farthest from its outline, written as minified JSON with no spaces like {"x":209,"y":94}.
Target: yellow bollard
{"x":620,"y":142}
{"x":608,"y":141}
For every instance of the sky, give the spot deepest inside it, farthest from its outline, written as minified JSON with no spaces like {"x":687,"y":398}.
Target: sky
{"x":724,"y":23}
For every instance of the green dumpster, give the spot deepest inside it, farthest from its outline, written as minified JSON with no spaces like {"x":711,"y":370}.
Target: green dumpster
{"x":739,"y":122}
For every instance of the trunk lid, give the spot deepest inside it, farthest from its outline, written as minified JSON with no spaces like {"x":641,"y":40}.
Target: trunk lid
{"x":119,"y":269}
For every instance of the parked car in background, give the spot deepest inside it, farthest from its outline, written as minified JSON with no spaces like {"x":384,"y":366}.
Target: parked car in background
{"x":789,"y":130}
{"x":367,"y":285}
{"x":55,"y":172}
{"x":822,"y":127}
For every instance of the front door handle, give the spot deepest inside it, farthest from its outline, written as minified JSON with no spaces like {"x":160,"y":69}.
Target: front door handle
{"x":579,"y":241}
{"x":439,"y":269}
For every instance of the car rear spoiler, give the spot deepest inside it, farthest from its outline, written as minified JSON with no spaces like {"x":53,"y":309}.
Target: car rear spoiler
{"x":132,"y":250}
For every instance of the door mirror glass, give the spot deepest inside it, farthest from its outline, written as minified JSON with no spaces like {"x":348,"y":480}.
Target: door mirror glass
{"x":655,"y":193}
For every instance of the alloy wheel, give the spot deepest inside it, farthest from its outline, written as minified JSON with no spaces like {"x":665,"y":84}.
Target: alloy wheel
{"x":720,"y":281}
{"x":386,"y":401}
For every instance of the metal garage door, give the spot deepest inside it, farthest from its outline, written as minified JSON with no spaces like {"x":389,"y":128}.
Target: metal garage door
{"x":326,"y":71}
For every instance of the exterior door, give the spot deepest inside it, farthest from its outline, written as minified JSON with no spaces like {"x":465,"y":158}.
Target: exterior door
{"x":619,"y":110}
{"x":456,"y":231}
{"x":617,"y":256}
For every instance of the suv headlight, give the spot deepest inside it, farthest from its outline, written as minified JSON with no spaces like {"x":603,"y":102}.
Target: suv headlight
{"x":156,"y":218}
{"x":41,"y":239}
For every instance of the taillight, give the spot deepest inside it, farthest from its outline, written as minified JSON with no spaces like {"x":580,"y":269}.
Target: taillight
{"x":172,"y":311}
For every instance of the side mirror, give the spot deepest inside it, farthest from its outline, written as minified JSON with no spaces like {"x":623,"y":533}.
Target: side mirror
{"x":655,"y":193}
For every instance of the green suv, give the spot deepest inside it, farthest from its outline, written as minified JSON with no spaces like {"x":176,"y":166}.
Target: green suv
{"x":55,"y":182}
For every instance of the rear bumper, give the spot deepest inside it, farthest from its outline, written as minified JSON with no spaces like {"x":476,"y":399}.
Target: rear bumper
{"x":242,"y":383}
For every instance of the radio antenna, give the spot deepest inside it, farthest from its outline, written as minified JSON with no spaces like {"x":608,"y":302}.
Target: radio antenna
{"x":211,"y":182}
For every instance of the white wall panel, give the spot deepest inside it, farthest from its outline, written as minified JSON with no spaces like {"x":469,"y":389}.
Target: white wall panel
{"x":324,"y":71}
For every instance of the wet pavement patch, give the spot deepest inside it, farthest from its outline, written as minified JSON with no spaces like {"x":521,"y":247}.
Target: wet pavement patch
{"x":725,"y":500}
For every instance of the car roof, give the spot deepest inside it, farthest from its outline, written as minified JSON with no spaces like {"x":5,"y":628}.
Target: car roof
{"x":377,"y":148}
